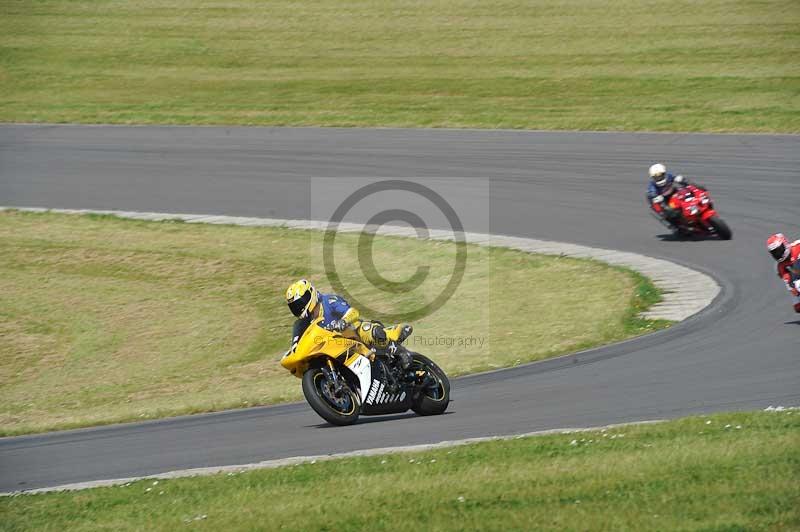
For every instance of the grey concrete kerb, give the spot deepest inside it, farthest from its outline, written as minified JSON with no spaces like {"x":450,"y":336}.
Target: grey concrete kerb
{"x":685,"y":291}
{"x":298,"y":460}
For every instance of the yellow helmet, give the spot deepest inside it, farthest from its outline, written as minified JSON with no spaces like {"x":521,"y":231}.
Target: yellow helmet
{"x":301,"y":297}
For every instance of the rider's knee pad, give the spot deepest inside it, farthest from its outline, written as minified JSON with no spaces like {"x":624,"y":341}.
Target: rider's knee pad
{"x":378,"y":333}
{"x":372,"y":333}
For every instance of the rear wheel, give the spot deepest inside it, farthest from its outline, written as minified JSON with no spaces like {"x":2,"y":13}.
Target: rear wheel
{"x":720,"y":227}
{"x":434,"y":396}
{"x":338,"y":405}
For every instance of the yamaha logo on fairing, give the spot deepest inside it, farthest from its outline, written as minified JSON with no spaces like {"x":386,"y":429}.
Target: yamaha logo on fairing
{"x":374,"y":390}
{"x":376,"y":395}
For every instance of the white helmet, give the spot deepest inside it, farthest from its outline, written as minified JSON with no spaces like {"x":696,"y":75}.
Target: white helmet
{"x":658,"y":173}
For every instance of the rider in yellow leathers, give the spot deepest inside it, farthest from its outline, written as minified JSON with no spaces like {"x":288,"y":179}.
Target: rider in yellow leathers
{"x":307,"y":304}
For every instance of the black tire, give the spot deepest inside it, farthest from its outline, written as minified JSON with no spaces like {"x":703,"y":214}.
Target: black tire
{"x":338,"y":411}
{"x":720,"y":227}
{"x":433,"y":401}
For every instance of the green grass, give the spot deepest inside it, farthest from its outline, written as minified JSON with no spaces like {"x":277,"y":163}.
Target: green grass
{"x":105,"y":320}
{"x":717,"y":65}
{"x":722,"y":472}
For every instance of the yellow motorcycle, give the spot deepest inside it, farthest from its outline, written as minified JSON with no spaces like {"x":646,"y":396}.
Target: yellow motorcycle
{"x":343,"y":378}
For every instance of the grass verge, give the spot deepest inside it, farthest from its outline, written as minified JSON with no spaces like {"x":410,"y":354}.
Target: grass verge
{"x":105,"y":320}
{"x":718,"y":65}
{"x":722,"y":472}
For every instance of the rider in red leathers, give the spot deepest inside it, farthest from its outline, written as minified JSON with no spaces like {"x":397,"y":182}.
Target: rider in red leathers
{"x":661,"y":187}
{"x":788,"y":257}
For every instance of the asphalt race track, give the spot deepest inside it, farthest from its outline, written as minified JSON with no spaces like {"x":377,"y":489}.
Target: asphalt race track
{"x":741,"y":353}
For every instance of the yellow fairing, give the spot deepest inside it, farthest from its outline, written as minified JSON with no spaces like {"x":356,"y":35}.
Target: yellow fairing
{"x":318,"y":342}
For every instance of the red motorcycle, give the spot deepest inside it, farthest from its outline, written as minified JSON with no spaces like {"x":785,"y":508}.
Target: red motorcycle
{"x":697,"y":214}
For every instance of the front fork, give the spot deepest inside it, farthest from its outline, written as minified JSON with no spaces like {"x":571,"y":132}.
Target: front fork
{"x":332,"y":374}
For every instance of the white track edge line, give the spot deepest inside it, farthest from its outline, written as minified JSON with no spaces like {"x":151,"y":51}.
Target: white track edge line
{"x":679,"y":300}
{"x":297,"y":460}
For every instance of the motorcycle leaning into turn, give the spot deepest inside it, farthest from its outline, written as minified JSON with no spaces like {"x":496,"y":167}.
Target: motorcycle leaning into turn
{"x":342,"y":378}
{"x":694,"y":214}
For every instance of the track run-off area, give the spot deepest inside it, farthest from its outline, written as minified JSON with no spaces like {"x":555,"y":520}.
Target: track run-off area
{"x":585,"y":188}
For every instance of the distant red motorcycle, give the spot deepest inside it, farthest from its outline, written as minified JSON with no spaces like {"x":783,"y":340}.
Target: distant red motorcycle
{"x":698,"y":217}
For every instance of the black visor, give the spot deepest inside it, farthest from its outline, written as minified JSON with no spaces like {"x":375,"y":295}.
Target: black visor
{"x":298,"y":305}
{"x":778,"y":252}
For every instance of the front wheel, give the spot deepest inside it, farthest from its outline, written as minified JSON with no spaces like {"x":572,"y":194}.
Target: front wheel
{"x":338,"y":405}
{"x":720,"y":227}
{"x":434,"y":393}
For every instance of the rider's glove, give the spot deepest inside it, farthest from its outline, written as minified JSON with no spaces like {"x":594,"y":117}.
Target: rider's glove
{"x":338,"y":325}
{"x":658,"y":199}
{"x":378,"y":333}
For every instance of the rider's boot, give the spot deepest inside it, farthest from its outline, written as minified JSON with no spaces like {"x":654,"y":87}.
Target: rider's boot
{"x":405,"y":332}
